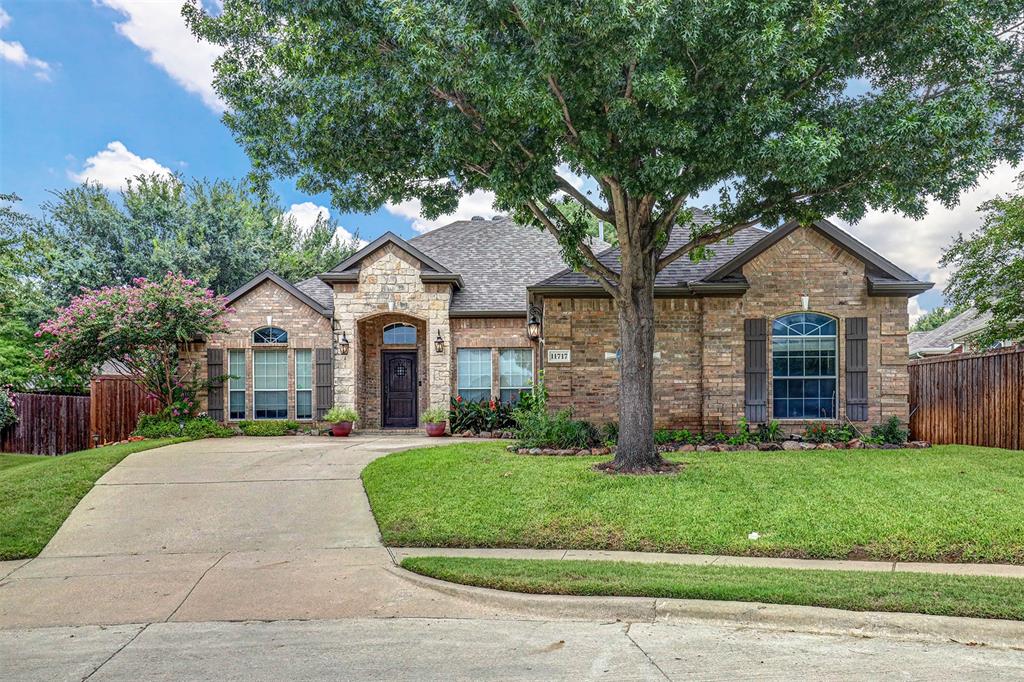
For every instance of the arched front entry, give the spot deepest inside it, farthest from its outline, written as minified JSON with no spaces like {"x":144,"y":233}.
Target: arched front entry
{"x":392,"y":371}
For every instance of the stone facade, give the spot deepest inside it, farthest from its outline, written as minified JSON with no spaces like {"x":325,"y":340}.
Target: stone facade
{"x":268,"y":305}
{"x":390,"y":283}
{"x":699,"y":344}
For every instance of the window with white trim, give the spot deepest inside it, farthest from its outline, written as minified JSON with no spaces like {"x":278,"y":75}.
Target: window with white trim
{"x":399,"y":333}
{"x":270,"y":335}
{"x":474,"y":374}
{"x":236,"y":385}
{"x":303,"y":384}
{"x":515,"y":373}
{"x":804,"y":367}
{"x":270,"y":384}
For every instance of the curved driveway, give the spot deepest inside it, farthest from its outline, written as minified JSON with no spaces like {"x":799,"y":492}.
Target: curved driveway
{"x":236,"y":529}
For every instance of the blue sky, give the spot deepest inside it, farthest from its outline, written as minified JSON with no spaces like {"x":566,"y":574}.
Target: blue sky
{"x":107,"y":88}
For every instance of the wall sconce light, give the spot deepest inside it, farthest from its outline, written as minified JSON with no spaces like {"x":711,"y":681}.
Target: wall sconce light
{"x":270,"y":320}
{"x":344,"y":345}
{"x":805,"y":302}
{"x":439,"y":343}
{"x":533,"y":324}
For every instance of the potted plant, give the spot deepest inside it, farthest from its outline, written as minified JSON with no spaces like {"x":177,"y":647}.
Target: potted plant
{"x":435,"y":421}
{"x":341,"y":419}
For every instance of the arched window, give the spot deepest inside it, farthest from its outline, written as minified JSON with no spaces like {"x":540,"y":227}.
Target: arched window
{"x":270,"y":335}
{"x":804,"y":367}
{"x":398,"y":333}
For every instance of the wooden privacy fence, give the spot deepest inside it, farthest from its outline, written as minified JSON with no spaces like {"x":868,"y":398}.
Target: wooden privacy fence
{"x":57,"y":424}
{"x":48,"y":424}
{"x":969,"y":399}
{"x":116,"y":406}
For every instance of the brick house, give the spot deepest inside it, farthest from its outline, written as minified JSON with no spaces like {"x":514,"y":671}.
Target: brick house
{"x":799,"y":323}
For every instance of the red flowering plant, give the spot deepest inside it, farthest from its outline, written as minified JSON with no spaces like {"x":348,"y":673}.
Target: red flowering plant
{"x":142,"y":328}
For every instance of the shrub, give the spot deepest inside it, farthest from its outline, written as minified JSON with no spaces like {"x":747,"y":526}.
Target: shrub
{"x":272,"y":427}
{"x":162,"y":426}
{"x":610,"y":432}
{"x":436,"y":415}
{"x":769,"y":433}
{"x":890,"y":432}
{"x":341,"y":414}
{"x":491,"y":415}
{"x":8,"y":417}
{"x":821,"y":432}
{"x":542,"y":430}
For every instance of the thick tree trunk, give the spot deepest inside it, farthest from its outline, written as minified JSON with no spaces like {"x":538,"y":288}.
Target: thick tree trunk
{"x":635,"y":450}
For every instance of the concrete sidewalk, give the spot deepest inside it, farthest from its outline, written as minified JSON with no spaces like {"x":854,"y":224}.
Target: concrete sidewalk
{"x":994,"y":570}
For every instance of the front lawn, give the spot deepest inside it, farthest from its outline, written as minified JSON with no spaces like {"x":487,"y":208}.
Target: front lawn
{"x":947,"y":595}
{"x":947,"y":503}
{"x":37,"y":493}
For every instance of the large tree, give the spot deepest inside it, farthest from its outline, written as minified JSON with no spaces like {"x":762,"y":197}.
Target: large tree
{"x":218,"y":232}
{"x":988,"y":269}
{"x":793,"y":109}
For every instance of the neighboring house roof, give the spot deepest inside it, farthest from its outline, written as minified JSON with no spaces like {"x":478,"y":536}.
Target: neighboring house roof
{"x":946,"y":337}
{"x":290,"y":288}
{"x":722,"y":272}
{"x":497,"y":258}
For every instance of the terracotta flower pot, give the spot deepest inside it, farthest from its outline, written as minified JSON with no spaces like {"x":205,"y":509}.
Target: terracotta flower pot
{"x":435,"y":430}
{"x":342,"y":429}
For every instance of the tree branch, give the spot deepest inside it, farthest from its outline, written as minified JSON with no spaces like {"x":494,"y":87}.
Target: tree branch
{"x":601,"y":273}
{"x":585,"y":201}
{"x":557,"y":92}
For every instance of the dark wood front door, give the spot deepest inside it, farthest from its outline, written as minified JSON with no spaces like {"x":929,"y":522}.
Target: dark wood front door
{"x":399,"y":382}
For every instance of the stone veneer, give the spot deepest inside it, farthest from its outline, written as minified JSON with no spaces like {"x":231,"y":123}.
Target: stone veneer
{"x":307,"y":329}
{"x":699,"y":359}
{"x":389,"y":283}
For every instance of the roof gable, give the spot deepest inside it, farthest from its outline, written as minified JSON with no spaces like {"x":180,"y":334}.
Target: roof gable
{"x":348,"y":271}
{"x":270,"y":275}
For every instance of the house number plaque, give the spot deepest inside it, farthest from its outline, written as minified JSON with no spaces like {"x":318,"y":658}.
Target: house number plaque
{"x":555,"y":356}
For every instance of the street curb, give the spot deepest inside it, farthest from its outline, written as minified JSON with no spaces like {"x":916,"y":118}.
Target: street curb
{"x":1003,"y":634}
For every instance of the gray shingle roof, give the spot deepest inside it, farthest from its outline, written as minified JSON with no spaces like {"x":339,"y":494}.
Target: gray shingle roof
{"x":318,"y":290}
{"x":947,"y":335}
{"x":497,"y":259}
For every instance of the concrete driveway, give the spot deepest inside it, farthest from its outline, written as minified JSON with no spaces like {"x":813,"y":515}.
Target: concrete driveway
{"x":237,"y":529}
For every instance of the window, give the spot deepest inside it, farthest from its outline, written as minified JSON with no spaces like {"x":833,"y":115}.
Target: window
{"x":804,"y":367}
{"x":236,"y":385}
{"x":399,"y":333}
{"x":515,"y":373}
{"x":270,"y":384}
{"x":475,"y":374}
{"x":270,"y":335}
{"x":303,"y":384}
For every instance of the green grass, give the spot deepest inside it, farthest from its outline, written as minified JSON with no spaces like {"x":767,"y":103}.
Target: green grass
{"x":947,"y":503}
{"x":38,"y":493}
{"x":974,"y":596}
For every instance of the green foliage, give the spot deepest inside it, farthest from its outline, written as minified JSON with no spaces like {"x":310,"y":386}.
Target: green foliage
{"x":935,"y":318}
{"x":435,"y":415}
{"x":677,"y":437}
{"x":270,"y":427}
{"x":770,"y":432}
{"x":163,"y":426}
{"x":890,"y":432}
{"x":988,"y":270}
{"x":8,"y":416}
{"x":743,"y":435}
{"x":542,"y":430}
{"x":341,"y":414}
{"x":465,"y":416}
{"x":610,"y":432}
{"x":822,"y":432}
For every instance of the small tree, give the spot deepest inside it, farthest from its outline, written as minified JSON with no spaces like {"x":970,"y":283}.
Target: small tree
{"x":141,"y":327}
{"x":988,"y":269}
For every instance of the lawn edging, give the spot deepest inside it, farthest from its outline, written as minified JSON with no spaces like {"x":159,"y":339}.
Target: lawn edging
{"x":1005,"y":634}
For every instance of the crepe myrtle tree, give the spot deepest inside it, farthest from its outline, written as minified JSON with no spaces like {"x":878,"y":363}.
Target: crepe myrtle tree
{"x":140,"y":327}
{"x":791,"y":109}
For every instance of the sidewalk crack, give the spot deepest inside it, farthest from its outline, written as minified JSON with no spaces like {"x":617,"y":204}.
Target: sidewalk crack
{"x":641,"y":650}
{"x":192,"y":589}
{"x":119,"y":650}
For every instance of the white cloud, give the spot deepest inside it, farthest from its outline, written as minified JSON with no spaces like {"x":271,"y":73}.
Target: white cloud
{"x":15,"y":53}
{"x":306,"y":214}
{"x":914,"y":309}
{"x":479,"y":203}
{"x":111,"y":167}
{"x":157,"y":28}
{"x":916,"y":245}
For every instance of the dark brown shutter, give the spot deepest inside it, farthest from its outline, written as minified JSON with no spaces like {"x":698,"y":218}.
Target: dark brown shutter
{"x":857,"y":369}
{"x":755,"y":370}
{"x":324,"y":381}
{"x":215,"y":394}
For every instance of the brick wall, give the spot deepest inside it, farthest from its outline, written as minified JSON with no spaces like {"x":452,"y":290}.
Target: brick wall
{"x":307,"y":329}
{"x":699,"y":341}
{"x":489,"y":332}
